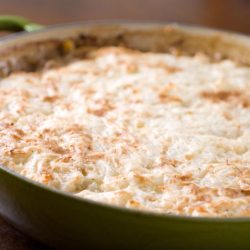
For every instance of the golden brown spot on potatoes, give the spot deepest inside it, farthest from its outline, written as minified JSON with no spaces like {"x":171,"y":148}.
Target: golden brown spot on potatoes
{"x":245,"y":192}
{"x":151,"y":198}
{"x":245,"y":213}
{"x":204,"y":197}
{"x":221,"y":95}
{"x":200,"y":209}
{"x":17,"y":134}
{"x":18,"y":153}
{"x":227,"y":116}
{"x":100,"y":107}
{"x":134,"y":203}
{"x":189,"y":157}
{"x":186,"y":177}
{"x":50,"y":98}
{"x":233,"y":97}
{"x":94,"y":156}
{"x":165,"y":161}
{"x":169,"y":69}
{"x":141,"y":179}
{"x":166,"y":89}
{"x":165,"y":95}
{"x":64,"y":158}
{"x":132,"y":68}
{"x":46,"y":178}
{"x":54,"y":146}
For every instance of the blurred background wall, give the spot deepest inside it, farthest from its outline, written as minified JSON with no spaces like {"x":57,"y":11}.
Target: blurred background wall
{"x":225,"y":14}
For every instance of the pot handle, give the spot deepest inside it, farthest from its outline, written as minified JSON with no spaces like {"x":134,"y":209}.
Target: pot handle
{"x":16,"y":23}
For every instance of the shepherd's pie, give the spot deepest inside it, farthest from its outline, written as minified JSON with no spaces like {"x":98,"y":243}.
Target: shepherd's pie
{"x":153,"y":131}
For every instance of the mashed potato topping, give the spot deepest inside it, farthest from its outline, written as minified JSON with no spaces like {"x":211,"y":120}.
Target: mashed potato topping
{"x":150,"y":131}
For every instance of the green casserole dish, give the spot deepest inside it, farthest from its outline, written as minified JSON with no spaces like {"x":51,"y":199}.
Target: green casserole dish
{"x":63,"y":221}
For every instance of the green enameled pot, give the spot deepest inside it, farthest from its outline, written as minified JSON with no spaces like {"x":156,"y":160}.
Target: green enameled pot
{"x":64,"y":221}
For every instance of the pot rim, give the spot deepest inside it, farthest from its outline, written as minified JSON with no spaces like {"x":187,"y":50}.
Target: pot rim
{"x":76,"y":26}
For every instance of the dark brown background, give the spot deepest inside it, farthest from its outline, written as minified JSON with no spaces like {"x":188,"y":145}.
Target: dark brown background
{"x":226,"y":14}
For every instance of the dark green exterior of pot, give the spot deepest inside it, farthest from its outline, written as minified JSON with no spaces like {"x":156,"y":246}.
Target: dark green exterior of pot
{"x":66,"y":222}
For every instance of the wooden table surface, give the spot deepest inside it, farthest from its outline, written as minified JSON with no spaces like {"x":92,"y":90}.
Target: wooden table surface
{"x":226,"y":14}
